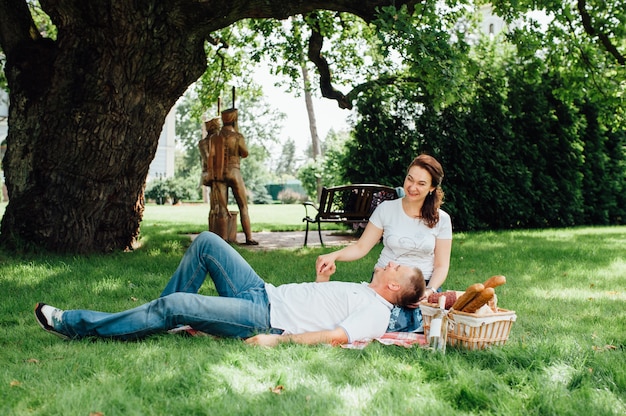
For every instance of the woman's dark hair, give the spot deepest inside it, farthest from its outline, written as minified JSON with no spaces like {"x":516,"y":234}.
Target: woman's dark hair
{"x":433,"y":201}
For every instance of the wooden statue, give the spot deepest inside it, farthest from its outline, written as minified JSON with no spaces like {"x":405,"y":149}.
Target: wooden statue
{"x":223,"y":150}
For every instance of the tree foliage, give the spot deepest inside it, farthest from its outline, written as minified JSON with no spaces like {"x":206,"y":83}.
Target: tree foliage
{"x":88,"y":100}
{"x":330,"y":169}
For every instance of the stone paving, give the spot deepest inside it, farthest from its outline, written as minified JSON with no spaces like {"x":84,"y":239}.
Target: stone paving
{"x":270,"y":240}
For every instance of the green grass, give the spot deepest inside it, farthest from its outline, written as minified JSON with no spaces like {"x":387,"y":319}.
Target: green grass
{"x":565,"y":354}
{"x":194,"y":217}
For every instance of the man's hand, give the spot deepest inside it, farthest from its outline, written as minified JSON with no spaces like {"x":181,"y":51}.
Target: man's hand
{"x":325,"y":275}
{"x":264,"y":340}
{"x":325,"y":267}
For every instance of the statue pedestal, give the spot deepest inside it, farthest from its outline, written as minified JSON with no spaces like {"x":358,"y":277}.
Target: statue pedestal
{"x":232,"y":227}
{"x":223,"y":225}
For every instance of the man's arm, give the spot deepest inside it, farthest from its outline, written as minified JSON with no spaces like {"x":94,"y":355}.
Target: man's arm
{"x":335,"y":336}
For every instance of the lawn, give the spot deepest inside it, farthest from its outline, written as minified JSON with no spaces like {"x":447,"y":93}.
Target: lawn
{"x":565,"y":354}
{"x":268,"y":217}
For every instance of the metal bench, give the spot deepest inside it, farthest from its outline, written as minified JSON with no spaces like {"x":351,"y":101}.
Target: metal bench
{"x":346,"y":204}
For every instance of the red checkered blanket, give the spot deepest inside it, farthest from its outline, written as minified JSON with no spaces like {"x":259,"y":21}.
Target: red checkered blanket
{"x":402,"y":339}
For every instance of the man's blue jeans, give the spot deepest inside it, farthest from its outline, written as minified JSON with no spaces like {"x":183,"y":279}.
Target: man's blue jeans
{"x":241,"y":309}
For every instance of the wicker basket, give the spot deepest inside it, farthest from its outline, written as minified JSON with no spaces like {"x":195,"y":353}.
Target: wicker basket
{"x":472,"y":331}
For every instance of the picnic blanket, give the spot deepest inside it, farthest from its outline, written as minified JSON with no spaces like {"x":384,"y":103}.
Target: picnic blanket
{"x":401,"y":339}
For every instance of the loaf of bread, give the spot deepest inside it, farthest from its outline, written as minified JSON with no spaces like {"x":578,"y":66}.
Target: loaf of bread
{"x":479,"y":300}
{"x":495,"y":281}
{"x":467,"y":297}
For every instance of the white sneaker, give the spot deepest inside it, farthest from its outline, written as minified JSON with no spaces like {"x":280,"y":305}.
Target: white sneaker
{"x":49,"y":318}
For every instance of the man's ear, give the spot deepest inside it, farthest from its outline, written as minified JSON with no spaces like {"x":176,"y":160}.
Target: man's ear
{"x":394,"y":286}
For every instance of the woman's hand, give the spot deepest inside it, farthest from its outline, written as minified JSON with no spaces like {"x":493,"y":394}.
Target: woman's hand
{"x":426,"y":294}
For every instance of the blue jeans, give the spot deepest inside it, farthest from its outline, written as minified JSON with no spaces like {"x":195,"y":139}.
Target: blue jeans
{"x":241,"y":309}
{"x":405,"y":320}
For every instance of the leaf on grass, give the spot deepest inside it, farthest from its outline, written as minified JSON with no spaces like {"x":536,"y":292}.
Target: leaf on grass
{"x":32,"y":361}
{"x":134,"y":299}
{"x":15,"y":383}
{"x":278,"y":389}
{"x":607,"y":347}
{"x":96,"y":414}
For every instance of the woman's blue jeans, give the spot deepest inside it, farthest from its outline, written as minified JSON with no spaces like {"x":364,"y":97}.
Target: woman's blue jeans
{"x":405,"y":320}
{"x":241,"y":309}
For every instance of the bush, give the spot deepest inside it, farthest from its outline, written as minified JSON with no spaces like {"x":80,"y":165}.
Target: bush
{"x":157,"y":190}
{"x":289,"y":196}
{"x":173,"y":190}
{"x":328,"y":170}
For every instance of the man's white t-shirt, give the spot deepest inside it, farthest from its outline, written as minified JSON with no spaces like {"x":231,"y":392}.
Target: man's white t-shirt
{"x":409,"y":241}
{"x":306,"y":307}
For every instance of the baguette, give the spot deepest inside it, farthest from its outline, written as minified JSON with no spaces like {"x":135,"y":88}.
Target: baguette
{"x":495,"y":281}
{"x":482,"y":298}
{"x":467,"y":297}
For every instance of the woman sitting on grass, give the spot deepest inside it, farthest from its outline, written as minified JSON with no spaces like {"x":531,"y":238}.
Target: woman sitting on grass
{"x":415,"y":232}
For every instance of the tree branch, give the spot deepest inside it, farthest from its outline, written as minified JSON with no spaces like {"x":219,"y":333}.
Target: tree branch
{"x":604,"y":39}
{"x":365,"y":9}
{"x":381,"y":81}
{"x":316,"y":42}
{"x":29,"y":56}
{"x":16,"y":25}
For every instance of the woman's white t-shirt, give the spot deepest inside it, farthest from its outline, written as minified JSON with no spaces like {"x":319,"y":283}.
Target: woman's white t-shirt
{"x":409,"y":241}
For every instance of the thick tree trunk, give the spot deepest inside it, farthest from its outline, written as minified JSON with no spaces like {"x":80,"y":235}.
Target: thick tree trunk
{"x":85,"y":122}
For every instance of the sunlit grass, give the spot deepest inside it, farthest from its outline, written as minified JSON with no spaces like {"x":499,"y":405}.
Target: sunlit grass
{"x":565,"y":354}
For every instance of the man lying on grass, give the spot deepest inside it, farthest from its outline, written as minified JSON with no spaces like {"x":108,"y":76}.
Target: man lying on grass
{"x":247,"y":307}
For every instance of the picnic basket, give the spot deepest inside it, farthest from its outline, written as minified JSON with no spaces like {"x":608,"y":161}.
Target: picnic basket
{"x":470,"y":330}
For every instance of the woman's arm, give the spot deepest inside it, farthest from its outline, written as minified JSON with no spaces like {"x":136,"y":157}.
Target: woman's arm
{"x":443,"y":249}
{"x":370,"y":237}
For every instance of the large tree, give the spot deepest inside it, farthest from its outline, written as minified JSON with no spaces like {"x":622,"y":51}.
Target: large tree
{"x":87,"y":106}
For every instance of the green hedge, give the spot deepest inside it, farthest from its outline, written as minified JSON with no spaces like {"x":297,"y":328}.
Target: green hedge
{"x":517,"y":152}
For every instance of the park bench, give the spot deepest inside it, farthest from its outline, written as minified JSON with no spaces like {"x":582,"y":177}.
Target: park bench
{"x":346,"y":204}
